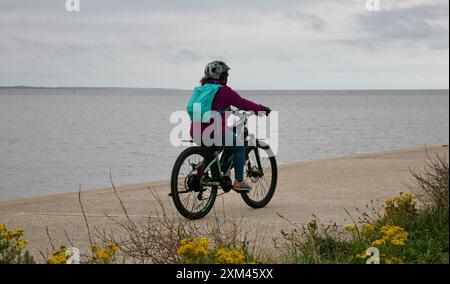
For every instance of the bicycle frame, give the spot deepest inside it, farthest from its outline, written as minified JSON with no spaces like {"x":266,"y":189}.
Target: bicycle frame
{"x":216,"y":161}
{"x":240,"y":125}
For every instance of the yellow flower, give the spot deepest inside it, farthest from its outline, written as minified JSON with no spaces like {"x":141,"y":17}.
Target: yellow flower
{"x":203,"y":242}
{"x":394,"y":235}
{"x":193,"y":250}
{"x":197,"y":251}
{"x":21,"y":244}
{"x":408,"y":197}
{"x":351,"y":228}
{"x":401,"y":204}
{"x":394,"y":232}
{"x":58,"y":257}
{"x":182,"y":250}
{"x":378,"y":243}
{"x":200,"y":251}
{"x":106,"y":254}
{"x":397,"y":243}
{"x":226,"y":256}
{"x":2,"y":227}
{"x":102,"y":255}
{"x":362,"y":255}
{"x":13,"y":234}
{"x":112,"y":247}
{"x":185,"y":241}
{"x":368,"y":229}
{"x":393,"y":260}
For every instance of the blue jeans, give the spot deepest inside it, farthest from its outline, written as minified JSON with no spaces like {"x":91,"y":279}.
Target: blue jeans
{"x":237,"y":150}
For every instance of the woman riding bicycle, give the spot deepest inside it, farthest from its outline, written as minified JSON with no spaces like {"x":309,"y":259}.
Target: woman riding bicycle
{"x":214,"y":85}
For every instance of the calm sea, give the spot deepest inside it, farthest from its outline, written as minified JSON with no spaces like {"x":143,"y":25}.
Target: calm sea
{"x":52,"y":140}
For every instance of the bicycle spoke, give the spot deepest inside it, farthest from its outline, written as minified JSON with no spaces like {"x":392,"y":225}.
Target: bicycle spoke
{"x":257,"y":190}
{"x":262,"y":184}
{"x":188,"y":197}
{"x":186,"y":201}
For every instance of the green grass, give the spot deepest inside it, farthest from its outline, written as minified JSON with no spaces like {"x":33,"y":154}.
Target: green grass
{"x":429,"y":237}
{"x":427,"y":228}
{"x":428,"y":243}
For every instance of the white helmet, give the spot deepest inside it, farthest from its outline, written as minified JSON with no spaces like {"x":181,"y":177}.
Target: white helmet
{"x":215,"y":69}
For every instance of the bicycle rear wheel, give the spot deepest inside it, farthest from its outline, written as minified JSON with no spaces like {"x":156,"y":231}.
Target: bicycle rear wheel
{"x":262,"y":174}
{"x":191,"y":197}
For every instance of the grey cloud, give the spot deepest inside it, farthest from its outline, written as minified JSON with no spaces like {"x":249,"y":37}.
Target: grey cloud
{"x":312,"y":20}
{"x":181,"y":55}
{"x":409,"y":26}
{"x":284,"y":58}
{"x":139,"y":44}
{"x":52,"y":47}
{"x":189,"y":54}
{"x":22,"y":41}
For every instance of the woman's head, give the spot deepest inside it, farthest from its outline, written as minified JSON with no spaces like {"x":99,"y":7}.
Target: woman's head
{"x":216,"y":70}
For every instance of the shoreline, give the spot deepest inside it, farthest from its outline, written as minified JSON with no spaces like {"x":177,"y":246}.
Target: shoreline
{"x":159,"y":183}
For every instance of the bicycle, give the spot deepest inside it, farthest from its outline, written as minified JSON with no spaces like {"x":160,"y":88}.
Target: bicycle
{"x":197,"y":174}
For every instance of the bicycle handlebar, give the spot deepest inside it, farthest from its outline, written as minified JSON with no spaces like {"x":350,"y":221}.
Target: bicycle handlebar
{"x":246,"y":114}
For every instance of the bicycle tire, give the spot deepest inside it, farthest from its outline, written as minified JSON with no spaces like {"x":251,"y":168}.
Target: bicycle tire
{"x":247,"y":197}
{"x":185,"y":212}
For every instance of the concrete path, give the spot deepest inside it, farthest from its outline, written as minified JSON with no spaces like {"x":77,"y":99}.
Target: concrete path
{"x":324,"y":188}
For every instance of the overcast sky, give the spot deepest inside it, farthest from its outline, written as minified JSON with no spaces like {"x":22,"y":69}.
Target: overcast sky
{"x":269,"y":44}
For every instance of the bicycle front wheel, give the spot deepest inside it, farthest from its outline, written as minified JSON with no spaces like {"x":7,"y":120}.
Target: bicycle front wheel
{"x":262,"y":173}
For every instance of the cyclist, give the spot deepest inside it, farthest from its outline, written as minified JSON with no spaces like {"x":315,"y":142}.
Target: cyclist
{"x":216,"y":74}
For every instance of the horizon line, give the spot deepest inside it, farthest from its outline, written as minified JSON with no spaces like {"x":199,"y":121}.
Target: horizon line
{"x":180,"y":89}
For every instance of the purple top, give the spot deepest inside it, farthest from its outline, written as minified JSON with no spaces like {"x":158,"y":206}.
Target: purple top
{"x":225,"y":98}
